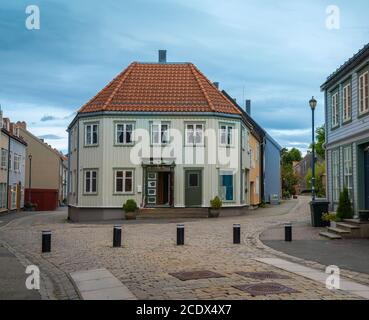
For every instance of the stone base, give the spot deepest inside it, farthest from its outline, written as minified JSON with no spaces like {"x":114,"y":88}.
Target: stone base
{"x":80,"y":214}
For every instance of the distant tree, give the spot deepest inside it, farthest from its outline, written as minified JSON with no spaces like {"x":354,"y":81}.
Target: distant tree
{"x":289,"y":180}
{"x":319,"y":176}
{"x":289,"y":156}
{"x":320,"y":140}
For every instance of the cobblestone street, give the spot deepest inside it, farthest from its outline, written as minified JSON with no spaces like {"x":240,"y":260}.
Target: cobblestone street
{"x":149,"y":254}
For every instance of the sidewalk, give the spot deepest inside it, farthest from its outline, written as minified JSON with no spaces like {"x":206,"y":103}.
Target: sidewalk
{"x":12,"y":279}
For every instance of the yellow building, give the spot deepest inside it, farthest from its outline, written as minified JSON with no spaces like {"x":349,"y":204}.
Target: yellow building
{"x":255,"y":170}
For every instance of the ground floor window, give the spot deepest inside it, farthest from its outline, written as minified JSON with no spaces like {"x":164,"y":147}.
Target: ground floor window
{"x":91,"y":181}
{"x":335,"y":175}
{"x":13,"y":197}
{"x":347,"y":161}
{"x":226,"y":185}
{"x":2,"y":195}
{"x":124,"y":181}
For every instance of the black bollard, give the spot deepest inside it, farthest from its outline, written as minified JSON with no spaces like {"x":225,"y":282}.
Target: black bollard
{"x":236,"y":233}
{"x":288,"y":232}
{"x":180,"y":234}
{"x":46,"y":241}
{"x":117,"y":236}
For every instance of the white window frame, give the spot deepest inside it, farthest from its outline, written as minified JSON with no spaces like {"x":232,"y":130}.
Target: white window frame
{"x":10,"y":160}
{"x":124,"y":131}
{"x":348,"y":169}
{"x":3,"y":187}
{"x":336,"y":175}
{"x":335,"y":110}
{"x":226,"y":134}
{"x":13,"y":197}
{"x":89,"y":140}
{"x":159,"y":131}
{"x":347,"y":102}
{"x":196,"y":132}
{"x":17,"y":160}
{"x":90,"y":171}
{"x":363,"y":93}
{"x":124,"y":178}
{"x":4,"y":159}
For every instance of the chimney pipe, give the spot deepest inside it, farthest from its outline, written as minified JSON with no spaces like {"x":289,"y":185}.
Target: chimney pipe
{"x":162,"y":56}
{"x":216,"y":84}
{"x":248,"y":107}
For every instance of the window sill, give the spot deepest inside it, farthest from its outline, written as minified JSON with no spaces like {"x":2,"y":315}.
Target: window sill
{"x":90,"y":194}
{"x":363,"y":114}
{"x":335,"y":127}
{"x":91,"y":145}
{"x":123,"y":193}
{"x":124,"y":144}
{"x":347,"y":121}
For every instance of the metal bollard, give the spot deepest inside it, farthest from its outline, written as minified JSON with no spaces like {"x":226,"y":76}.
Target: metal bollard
{"x":288,"y":232}
{"x":46,"y":241}
{"x":180,"y":234}
{"x":236,"y":233}
{"x":117,"y":236}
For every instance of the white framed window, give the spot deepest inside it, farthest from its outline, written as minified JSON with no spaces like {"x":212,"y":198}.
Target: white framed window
{"x":194,"y":134}
{"x":347,"y":169}
{"x":226,"y":134}
{"x":17,"y":159}
{"x":4,"y":158}
{"x":91,"y":134}
{"x":347,"y":102}
{"x":363,"y":93}
{"x":13,"y":197}
{"x":2,"y":195}
{"x":10,"y":160}
{"x":123,"y":181}
{"x":335,"y":109}
{"x":159,"y":133}
{"x":90,"y":181}
{"x":124,"y":133}
{"x":336,"y":175}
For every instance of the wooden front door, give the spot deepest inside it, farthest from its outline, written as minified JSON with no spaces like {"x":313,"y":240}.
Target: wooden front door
{"x":366,"y":182}
{"x":193,"y":188}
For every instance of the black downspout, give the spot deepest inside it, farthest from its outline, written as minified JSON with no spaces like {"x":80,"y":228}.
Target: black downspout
{"x":8,"y":176}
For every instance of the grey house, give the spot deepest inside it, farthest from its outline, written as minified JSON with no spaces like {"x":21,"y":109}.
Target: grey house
{"x":347,"y":130}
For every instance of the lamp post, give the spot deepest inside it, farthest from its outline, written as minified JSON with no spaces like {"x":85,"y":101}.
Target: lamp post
{"x":313,"y":104}
{"x":29,"y":179}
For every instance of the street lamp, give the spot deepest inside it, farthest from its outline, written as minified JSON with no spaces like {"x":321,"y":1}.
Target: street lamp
{"x":29,"y":179}
{"x":313,"y":104}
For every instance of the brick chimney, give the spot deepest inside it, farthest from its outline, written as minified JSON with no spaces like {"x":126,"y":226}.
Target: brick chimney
{"x":22,"y":124}
{"x":162,"y":56}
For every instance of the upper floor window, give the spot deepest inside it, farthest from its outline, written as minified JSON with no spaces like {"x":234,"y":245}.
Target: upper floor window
{"x":4,"y":158}
{"x":194,"y":133}
{"x":363,"y":93}
{"x":226,"y":134}
{"x":335,"y":110}
{"x":124,"y":133}
{"x":90,"y":181}
{"x":347,"y":102}
{"x":91,"y":134}
{"x":17,"y":159}
{"x":159,"y":133}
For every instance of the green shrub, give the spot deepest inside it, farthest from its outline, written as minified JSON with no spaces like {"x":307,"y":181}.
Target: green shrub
{"x":216,"y":203}
{"x":329,"y":217}
{"x":345,"y":210}
{"x":130,"y":206}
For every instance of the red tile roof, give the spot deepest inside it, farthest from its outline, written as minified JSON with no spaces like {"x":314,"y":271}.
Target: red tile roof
{"x":160,"y":87}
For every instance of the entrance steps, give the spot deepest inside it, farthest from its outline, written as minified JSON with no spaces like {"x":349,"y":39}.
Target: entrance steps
{"x":172,"y":213}
{"x":348,"y":229}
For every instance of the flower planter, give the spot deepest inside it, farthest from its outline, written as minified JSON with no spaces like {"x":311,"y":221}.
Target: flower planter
{"x":130,"y":215}
{"x":213,"y":213}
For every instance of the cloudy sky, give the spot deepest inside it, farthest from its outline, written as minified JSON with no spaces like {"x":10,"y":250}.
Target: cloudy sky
{"x":276,"y":53}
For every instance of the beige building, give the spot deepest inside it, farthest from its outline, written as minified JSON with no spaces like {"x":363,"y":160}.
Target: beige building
{"x":45,"y":172}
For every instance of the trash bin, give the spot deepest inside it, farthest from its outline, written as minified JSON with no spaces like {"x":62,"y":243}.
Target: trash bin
{"x":317,"y":208}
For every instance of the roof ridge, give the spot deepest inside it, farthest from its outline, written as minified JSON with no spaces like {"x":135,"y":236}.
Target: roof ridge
{"x":193,"y":69}
{"x":124,"y":77}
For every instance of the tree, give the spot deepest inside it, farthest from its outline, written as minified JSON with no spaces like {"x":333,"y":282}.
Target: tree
{"x":289,"y":156}
{"x":289,"y":180}
{"x":345,"y":210}
{"x":319,"y":176}
{"x":320,"y":140}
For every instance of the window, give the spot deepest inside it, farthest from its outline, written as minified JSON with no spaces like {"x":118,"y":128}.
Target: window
{"x":335,"y":175}
{"x":363,"y":93}
{"x":13,"y":197}
{"x":91,"y":134}
{"x":193,"y":180}
{"x":17,"y":159}
{"x":335,"y":110}
{"x":2,"y":195}
{"x":347,"y":163}
{"x":10,"y":160}
{"x":91,"y":181}
{"x":124,"y":181}
{"x":347,"y":102}
{"x":4,"y":158}
{"x":226,"y":185}
{"x":194,"y":134}
{"x":226,"y":135}
{"x":257,"y":153}
{"x":159,"y":133}
{"x":124,"y":133}
{"x":257,"y":185}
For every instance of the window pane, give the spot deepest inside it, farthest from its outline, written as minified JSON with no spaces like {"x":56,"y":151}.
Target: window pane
{"x":129,"y":174}
{"x":119,"y":185}
{"x":119,"y":174}
{"x":88,"y":134}
{"x":88,"y":182}
{"x":193,"y":180}
{"x":94,"y":136}
{"x":164,"y":133}
{"x":128,"y":185}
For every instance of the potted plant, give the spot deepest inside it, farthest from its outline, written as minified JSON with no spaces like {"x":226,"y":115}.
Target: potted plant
{"x":345,"y":210}
{"x":330,"y":218}
{"x":215,"y":206}
{"x":130,"y":208}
